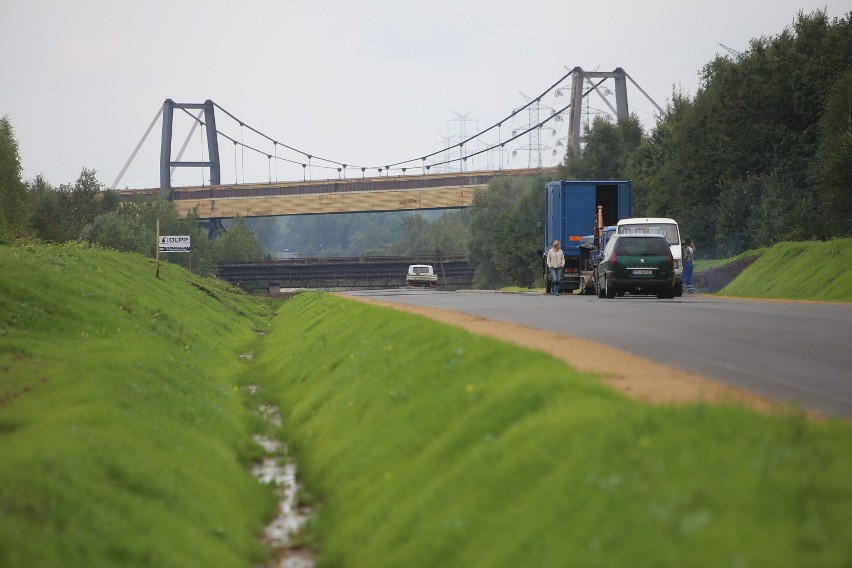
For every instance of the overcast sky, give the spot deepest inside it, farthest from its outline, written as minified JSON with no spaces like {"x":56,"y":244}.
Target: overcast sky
{"x":367,"y":82}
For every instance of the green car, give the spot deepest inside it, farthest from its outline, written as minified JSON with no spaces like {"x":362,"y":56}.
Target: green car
{"x":638,"y":264}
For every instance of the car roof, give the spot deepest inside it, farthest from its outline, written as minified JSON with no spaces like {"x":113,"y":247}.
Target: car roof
{"x":639,"y":236}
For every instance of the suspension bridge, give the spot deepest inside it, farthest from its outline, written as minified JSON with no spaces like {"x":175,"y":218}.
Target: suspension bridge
{"x":442,"y":179}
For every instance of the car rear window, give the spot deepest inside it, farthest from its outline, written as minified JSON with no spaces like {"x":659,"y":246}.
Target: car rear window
{"x":636,"y":246}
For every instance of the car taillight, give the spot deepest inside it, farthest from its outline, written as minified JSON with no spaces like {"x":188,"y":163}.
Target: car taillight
{"x":614,"y":258}
{"x":671,"y":260}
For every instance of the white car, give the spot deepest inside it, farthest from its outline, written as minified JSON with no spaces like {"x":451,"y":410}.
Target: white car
{"x":658,"y":226}
{"x":421,"y":275}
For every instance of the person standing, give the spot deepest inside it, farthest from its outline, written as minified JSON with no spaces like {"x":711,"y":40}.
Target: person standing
{"x":555,"y":264}
{"x":688,"y":255}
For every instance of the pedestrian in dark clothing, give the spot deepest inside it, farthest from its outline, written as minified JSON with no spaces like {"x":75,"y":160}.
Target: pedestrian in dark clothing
{"x":688,"y":255}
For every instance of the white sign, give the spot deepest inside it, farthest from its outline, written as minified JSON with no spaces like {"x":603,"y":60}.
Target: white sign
{"x":179,"y":243}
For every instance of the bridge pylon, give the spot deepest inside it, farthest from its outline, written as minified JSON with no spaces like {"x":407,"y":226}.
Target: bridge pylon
{"x":166,"y":163}
{"x":579,"y":77}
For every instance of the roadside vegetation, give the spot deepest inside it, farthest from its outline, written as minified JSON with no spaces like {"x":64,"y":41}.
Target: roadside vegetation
{"x":808,"y":270}
{"x":124,"y":440}
{"x":125,"y":422}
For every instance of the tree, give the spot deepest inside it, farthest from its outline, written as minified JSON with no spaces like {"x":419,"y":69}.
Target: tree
{"x":415,"y":235}
{"x":834,"y":157}
{"x":237,"y":243}
{"x":449,"y":232}
{"x":738,"y":207}
{"x":132,"y":227}
{"x":83,"y":201}
{"x":505,"y":239}
{"x":609,"y":146}
{"x":45,"y":211}
{"x":13,"y":192}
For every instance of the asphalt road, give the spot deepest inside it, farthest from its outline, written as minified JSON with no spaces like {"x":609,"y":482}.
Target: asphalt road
{"x":787,"y":352}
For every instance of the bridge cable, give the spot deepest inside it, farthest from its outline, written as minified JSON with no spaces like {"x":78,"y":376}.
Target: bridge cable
{"x":387,"y":168}
{"x":423,"y":158}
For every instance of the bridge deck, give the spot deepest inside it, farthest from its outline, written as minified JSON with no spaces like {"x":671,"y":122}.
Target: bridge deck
{"x":403,"y":193}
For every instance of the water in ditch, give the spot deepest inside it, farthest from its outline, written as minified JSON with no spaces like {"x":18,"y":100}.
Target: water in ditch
{"x":280,"y":473}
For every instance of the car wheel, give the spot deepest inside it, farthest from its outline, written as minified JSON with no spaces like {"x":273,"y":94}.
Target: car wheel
{"x":599,"y":288}
{"x":609,"y":293}
{"x":678,"y":290}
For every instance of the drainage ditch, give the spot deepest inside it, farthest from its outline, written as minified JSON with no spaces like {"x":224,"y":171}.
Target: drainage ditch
{"x":279,"y":472}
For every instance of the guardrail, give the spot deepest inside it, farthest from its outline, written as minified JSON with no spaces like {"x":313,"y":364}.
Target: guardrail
{"x":343,"y":272}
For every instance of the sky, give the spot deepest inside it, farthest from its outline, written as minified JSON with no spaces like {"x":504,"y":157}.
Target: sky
{"x":365,"y":83}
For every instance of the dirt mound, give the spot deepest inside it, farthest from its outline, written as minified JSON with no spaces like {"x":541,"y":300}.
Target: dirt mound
{"x":714,"y":279}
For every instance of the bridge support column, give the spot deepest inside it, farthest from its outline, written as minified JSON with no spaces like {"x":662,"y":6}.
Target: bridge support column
{"x":578,"y":78}
{"x":213,"y":227}
{"x":166,"y":163}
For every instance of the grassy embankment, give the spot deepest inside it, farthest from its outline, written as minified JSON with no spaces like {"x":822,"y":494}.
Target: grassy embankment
{"x":811,"y":270}
{"x":421,"y":444}
{"x":123,"y":441}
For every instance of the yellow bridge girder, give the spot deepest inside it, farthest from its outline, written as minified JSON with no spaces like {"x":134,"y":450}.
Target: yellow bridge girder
{"x":343,"y":202}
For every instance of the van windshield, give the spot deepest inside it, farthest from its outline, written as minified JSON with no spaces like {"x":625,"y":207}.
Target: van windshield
{"x":667,"y":230}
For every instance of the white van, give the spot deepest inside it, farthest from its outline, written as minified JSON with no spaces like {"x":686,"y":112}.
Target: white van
{"x":658,"y":226}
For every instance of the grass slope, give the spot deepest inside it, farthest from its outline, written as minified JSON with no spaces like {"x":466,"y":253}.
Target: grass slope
{"x":123,"y":441}
{"x":811,"y":270}
{"x":428,"y":446}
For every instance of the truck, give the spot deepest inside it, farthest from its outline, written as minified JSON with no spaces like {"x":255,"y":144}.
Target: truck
{"x":576,"y":209}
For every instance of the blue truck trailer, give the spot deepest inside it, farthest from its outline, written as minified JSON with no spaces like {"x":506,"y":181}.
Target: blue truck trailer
{"x":577,"y":209}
